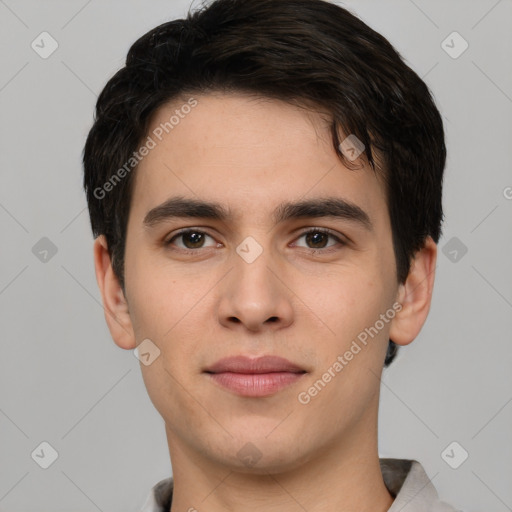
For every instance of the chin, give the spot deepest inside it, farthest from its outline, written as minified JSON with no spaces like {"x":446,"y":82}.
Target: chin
{"x":260,"y":455}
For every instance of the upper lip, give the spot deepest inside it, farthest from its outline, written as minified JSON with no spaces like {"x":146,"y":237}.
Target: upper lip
{"x":264,"y":364}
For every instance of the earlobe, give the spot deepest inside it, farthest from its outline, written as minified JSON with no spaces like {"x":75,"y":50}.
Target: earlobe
{"x":114,"y":302}
{"x":415,"y":295}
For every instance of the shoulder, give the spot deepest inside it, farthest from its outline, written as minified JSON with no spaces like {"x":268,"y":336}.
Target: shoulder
{"x":412,"y":488}
{"x":160,"y":497}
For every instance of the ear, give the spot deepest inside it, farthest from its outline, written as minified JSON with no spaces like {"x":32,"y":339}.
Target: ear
{"x":415,"y":295}
{"x":114,"y":302}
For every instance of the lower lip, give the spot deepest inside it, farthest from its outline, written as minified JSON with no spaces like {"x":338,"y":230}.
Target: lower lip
{"x":255,"y":384}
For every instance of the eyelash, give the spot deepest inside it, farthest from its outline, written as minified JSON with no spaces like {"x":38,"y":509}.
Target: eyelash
{"x":304,"y":233}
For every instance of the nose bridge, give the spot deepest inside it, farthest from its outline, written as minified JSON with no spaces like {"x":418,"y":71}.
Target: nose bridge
{"x":252,"y":277}
{"x":252,"y":294}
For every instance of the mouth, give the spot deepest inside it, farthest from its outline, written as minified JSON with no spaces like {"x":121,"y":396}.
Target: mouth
{"x":254,"y":377}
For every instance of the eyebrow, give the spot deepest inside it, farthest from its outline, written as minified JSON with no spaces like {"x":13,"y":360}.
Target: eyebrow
{"x":181,"y":207}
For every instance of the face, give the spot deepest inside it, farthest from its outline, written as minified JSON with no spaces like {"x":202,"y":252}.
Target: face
{"x":259,"y":275}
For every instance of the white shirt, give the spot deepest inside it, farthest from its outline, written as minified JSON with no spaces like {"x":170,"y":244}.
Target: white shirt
{"x":406,"y":481}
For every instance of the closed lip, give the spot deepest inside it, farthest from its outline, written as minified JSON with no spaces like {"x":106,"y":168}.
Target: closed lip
{"x":248,"y":365}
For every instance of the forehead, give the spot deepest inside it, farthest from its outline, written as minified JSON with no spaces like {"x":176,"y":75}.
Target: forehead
{"x":248,"y":153}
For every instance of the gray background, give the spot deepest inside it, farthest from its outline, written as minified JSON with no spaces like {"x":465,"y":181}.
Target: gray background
{"x":64,"y":381}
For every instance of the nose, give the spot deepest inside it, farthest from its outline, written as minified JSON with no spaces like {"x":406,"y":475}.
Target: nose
{"x":254,"y":296}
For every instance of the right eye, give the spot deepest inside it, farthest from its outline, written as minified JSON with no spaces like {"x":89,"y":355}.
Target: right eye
{"x":191,"y":240}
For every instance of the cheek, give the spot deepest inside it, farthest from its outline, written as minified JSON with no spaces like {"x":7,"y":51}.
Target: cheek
{"x":346,"y":303}
{"x":170,"y":391}
{"x":166,"y":312}
{"x":169,"y":308}
{"x":157,"y":297}
{"x":351,"y":306}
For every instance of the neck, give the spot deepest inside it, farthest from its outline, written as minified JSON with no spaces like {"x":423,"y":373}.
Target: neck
{"x":342,"y":476}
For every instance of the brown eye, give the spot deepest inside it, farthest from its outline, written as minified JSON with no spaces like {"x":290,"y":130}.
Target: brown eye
{"x":193,"y":240}
{"x":190,"y":239}
{"x":319,"y":238}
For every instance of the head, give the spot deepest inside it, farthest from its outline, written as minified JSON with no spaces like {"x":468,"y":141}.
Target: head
{"x":251,"y":104}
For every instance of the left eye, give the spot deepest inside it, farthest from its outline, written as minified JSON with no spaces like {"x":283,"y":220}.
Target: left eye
{"x":318,"y":238}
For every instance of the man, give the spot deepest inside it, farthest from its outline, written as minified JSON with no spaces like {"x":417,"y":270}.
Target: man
{"x":264,"y":181}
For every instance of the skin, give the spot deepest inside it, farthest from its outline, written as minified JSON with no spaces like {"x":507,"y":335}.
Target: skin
{"x":250,"y":154}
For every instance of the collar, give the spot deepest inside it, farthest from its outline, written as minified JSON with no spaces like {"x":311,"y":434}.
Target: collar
{"x":405,"y":479}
